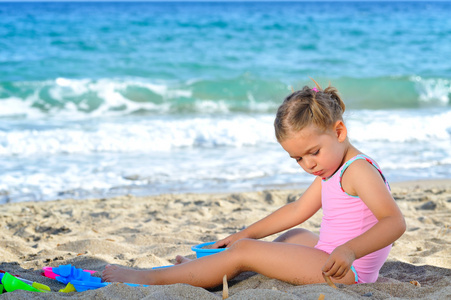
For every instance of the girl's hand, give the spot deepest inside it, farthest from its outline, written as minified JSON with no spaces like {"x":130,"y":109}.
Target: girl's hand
{"x":228,"y":241}
{"x":222,"y":243}
{"x":339,"y":262}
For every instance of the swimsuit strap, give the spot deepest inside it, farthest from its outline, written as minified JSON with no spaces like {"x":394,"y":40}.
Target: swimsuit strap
{"x":360,"y":156}
{"x":356,"y":277}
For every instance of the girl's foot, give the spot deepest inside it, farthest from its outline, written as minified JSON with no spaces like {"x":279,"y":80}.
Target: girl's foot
{"x":181,"y":260}
{"x":121,"y":274}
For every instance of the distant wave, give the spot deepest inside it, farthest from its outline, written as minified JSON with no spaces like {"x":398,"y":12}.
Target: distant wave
{"x":89,"y":98}
{"x":81,"y":98}
{"x":395,"y":92}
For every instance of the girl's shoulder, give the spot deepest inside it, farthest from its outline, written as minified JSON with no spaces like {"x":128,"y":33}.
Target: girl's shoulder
{"x":359,"y":156}
{"x":358,"y":161}
{"x":359,"y":170}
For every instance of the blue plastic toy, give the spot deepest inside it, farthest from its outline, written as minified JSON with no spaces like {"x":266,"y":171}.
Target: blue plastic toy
{"x":80,"y":279}
{"x":69,"y":273}
{"x":202,"y":251}
{"x":82,"y":286}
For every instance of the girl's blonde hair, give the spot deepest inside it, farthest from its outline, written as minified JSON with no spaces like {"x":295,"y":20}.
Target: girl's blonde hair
{"x":309,"y":106}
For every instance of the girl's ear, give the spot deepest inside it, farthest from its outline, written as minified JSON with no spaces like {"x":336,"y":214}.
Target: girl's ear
{"x":341,"y":131}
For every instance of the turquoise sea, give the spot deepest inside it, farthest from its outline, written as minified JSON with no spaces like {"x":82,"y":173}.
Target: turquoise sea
{"x":110,"y":98}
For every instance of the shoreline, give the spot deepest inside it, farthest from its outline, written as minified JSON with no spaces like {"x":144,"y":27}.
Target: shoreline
{"x":149,"y":231}
{"x":260,"y":188}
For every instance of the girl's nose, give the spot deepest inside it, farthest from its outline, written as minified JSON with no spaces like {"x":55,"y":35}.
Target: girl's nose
{"x":309,"y":164}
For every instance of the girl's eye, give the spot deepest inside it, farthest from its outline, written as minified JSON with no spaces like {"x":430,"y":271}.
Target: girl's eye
{"x":316,"y":152}
{"x":298,"y":159}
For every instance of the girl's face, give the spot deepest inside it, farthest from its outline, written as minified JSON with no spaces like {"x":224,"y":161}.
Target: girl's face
{"x":318,"y":153}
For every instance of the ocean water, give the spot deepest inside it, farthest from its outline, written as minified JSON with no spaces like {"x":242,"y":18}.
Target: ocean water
{"x":104,"y":99}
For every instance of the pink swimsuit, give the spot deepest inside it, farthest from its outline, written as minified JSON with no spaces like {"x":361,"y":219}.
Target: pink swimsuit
{"x":346,"y":217}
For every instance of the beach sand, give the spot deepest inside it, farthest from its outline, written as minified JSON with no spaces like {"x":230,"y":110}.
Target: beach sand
{"x":145,"y":232}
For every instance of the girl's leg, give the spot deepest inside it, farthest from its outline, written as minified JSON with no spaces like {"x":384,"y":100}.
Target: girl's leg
{"x":292,"y":263}
{"x":294,"y":236}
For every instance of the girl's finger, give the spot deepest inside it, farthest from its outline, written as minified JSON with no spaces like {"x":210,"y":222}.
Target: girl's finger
{"x":219,"y":244}
{"x":338,"y":272}
{"x":332,"y":270}
{"x":342,"y":273}
{"x":328,"y":266}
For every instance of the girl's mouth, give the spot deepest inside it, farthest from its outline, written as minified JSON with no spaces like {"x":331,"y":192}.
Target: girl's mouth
{"x":317,"y":173}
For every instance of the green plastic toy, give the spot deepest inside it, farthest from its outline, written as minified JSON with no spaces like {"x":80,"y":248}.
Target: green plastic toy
{"x":11,"y":283}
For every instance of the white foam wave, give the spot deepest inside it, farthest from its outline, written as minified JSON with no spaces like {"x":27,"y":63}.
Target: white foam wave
{"x":210,"y":106}
{"x":145,"y":135}
{"x":110,"y":94}
{"x":261,"y":106}
{"x":433,"y":91}
{"x":73,"y":99}
{"x":52,"y":183}
{"x":399,"y":126}
{"x":87,"y":98}
{"x":87,"y":158}
{"x":165,"y":133}
{"x":15,"y":107}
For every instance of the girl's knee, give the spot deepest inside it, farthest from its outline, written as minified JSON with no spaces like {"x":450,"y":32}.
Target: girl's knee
{"x":242,"y":245}
{"x":240,"y":252}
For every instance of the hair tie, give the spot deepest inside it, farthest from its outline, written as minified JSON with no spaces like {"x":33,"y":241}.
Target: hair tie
{"x":315,"y":90}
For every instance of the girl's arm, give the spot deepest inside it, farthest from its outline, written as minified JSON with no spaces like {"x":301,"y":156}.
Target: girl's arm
{"x":287,"y":216}
{"x":364,"y":180}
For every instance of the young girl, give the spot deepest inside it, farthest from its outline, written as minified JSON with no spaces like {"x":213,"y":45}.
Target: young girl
{"x":360,"y":218}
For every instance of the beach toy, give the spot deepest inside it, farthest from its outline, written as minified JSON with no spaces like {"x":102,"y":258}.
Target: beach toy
{"x":82,"y":286}
{"x":11,"y":283}
{"x":41,"y":287}
{"x":202,"y":251}
{"x":48,"y":272}
{"x":77,"y":279}
{"x":68,"y":289}
{"x":67,"y":273}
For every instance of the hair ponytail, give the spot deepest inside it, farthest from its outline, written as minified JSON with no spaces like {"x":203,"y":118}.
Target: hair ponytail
{"x":333,"y":92}
{"x":309,"y":106}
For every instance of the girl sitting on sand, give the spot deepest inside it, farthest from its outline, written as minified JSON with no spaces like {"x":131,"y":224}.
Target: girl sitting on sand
{"x":360,"y":217}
